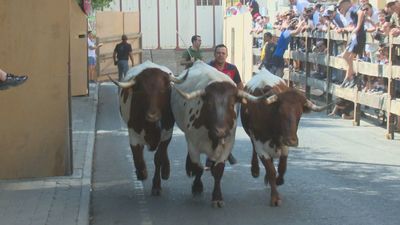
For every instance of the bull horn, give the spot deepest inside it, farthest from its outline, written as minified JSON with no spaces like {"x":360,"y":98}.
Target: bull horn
{"x":189,"y":96}
{"x":271,"y":99}
{"x":178,"y":80}
{"x":250,"y":97}
{"x":127,"y":84}
{"x":314,"y":107}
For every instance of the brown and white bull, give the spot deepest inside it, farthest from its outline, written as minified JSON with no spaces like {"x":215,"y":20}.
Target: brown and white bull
{"x":204,"y":109}
{"x":272,"y":125}
{"x":145,"y":107}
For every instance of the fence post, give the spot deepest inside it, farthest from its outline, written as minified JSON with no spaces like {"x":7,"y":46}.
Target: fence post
{"x":328,"y":96}
{"x":391,"y":94}
{"x":97,"y":60}
{"x":308,"y":65}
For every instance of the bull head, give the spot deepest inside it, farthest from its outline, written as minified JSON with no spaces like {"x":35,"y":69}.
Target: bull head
{"x":308,"y":104}
{"x":198,"y":93}
{"x":131,"y":82}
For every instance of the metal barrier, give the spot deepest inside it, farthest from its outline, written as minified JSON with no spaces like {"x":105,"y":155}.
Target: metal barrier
{"x":386,"y":101}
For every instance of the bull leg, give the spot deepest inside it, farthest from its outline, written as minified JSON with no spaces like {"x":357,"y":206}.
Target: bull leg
{"x":217,"y":171}
{"x":165,"y":165}
{"x":140,"y":165}
{"x":189,"y":166}
{"x":281,"y":170}
{"x":271,"y":174}
{"x":255,"y":168}
{"x":156,"y":189}
{"x":197,"y":187}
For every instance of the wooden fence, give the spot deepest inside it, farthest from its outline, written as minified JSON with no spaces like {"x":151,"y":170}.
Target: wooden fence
{"x":386,"y":101}
{"x":105,"y":65}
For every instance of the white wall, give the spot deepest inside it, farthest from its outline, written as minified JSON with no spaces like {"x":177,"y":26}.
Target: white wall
{"x":149,"y":24}
{"x":168,"y":24}
{"x":186,"y":22}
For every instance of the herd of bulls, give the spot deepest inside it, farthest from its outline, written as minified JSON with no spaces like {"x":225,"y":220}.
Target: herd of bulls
{"x":202,"y":103}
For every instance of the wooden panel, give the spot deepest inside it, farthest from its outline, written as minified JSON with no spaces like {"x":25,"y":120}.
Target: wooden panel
{"x":377,"y":101}
{"x":109,"y":24}
{"x":239,"y":43}
{"x":395,"y":107}
{"x":35,"y":131}
{"x":131,"y":22}
{"x":79,"y":78}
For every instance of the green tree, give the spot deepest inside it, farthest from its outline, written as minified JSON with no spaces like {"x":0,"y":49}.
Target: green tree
{"x":97,"y":4}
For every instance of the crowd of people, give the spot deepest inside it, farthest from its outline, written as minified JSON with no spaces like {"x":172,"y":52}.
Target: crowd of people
{"x":355,"y":18}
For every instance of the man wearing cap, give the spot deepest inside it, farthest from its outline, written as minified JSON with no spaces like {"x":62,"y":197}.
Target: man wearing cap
{"x":122,"y":52}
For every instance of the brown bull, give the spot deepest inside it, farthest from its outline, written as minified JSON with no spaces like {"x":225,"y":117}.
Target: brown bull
{"x":272,"y":126}
{"x":145,"y":107}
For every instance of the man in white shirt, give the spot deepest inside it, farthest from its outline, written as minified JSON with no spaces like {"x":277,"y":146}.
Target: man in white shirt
{"x":92,"y":55}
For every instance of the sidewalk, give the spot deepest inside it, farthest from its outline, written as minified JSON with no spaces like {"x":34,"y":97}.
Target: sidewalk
{"x":57,"y":200}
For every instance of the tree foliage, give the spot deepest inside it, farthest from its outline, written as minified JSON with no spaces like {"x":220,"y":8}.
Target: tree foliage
{"x":97,"y":4}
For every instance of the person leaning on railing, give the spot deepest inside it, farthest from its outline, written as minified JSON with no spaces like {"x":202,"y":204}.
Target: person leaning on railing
{"x":290,"y":28}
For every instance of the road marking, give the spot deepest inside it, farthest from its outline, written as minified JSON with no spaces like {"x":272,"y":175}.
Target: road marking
{"x":140,"y":195}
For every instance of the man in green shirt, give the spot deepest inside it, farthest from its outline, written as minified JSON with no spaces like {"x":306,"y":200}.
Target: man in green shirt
{"x":193,"y":53}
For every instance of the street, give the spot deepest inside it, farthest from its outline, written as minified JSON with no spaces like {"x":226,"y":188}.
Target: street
{"x":339,"y":174}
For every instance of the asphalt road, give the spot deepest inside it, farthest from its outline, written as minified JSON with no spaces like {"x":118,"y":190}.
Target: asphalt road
{"x":339,"y":174}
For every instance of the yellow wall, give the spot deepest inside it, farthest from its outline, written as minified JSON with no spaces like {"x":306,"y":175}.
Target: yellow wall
{"x":78,"y":37}
{"x":239,"y":42}
{"x":35,"y":120}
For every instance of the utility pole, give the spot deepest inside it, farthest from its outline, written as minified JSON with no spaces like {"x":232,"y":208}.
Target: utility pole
{"x":120,"y":5}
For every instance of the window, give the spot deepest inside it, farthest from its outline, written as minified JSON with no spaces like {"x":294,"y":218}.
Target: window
{"x":207,"y":2}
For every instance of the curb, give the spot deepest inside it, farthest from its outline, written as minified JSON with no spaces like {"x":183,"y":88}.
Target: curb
{"x":84,"y":209}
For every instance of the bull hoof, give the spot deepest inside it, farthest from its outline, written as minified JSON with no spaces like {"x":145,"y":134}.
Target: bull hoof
{"x":218,"y":204}
{"x":156,"y":191}
{"x":280,"y":181}
{"x":255,"y":171}
{"x":165,"y":170}
{"x":197,"y":189}
{"x":141,"y":175}
{"x":276,"y":201}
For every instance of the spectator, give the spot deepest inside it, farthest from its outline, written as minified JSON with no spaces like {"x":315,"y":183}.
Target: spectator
{"x":318,"y":11}
{"x":122,"y":53}
{"x":267,"y":51}
{"x":289,"y":30}
{"x":192,"y":53}
{"x":254,"y":9}
{"x":92,"y":55}
{"x":266,"y":22}
{"x":375,"y":11}
{"x":219,"y":62}
{"x":8,"y":80}
{"x":394,"y":8}
{"x":298,"y":5}
{"x":343,"y":108}
{"x":371,"y":25}
{"x":356,"y":44}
